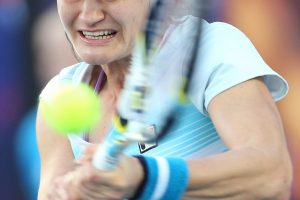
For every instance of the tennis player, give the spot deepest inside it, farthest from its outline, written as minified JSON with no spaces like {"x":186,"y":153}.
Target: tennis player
{"x":227,"y":143}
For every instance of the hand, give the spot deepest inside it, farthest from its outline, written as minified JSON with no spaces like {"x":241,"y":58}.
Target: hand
{"x":64,"y":188}
{"x":86,"y":182}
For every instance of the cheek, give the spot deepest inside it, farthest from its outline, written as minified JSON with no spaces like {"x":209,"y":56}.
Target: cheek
{"x":134,"y":21}
{"x":138,"y":18}
{"x":66,"y":15}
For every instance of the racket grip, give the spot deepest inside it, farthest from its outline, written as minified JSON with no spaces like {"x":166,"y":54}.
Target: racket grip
{"x":107,"y":154}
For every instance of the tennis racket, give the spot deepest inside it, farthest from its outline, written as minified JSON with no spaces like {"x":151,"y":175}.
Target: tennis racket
{"x":155,"y":90}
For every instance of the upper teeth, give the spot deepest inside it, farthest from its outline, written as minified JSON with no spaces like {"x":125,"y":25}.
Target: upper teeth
{"x":99,"y":33}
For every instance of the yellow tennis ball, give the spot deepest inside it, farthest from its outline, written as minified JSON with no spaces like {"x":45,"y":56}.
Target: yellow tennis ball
{"x":71,"y":108}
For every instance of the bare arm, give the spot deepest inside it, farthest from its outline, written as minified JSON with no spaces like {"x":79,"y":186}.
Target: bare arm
{"x":55,"y":153}
{"x":257,"y":166}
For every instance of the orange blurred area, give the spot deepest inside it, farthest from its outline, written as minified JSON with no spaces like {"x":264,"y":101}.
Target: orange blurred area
{"x":274,"y":28}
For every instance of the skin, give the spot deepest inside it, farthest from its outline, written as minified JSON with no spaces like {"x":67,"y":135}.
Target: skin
{"x":257,"y":166}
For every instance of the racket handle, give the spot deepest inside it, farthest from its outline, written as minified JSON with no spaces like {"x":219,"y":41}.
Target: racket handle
{"x":107,"y":154}
{"x":103,"y":161}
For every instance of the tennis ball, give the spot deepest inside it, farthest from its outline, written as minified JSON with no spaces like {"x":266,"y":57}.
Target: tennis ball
{"x":71,"y":108}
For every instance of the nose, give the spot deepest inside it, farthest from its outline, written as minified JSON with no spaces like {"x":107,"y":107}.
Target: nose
{"x":92,"y":12}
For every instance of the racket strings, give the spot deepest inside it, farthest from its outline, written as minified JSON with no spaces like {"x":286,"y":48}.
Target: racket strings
{"x":201,"y":9}
{"x":147,"y":44}
{"x":130,"y":125}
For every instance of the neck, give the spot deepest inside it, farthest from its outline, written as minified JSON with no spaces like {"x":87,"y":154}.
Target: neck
{"x":115,"y":74}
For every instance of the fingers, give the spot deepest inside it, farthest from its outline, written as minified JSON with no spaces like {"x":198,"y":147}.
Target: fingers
{"x":85,"y":182}
{"x":88,"y":154}
{"x":100,"y":193}
{"x":95,"y":184}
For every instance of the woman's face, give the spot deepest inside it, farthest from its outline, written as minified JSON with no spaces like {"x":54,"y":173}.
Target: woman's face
{"x":102,"y":31}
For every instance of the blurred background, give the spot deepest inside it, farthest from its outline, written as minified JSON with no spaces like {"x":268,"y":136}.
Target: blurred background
{"x":33,"y":48}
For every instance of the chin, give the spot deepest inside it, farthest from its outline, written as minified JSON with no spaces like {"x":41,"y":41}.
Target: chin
{"x":99,"y":59}
{"x":102,"y":58}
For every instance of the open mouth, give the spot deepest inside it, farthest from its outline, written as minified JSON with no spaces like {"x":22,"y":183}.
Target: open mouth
{"x":98,"y":35}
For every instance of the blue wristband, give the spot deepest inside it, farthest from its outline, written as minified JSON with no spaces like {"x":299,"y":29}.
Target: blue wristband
{"x":165,"y":178}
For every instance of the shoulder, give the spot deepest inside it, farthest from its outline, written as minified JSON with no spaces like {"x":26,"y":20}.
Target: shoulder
{"x":222,"y":27}
{"x":71,"y":73}
{"x":217,"y":29}
{"x":222,"y":31}
{"x":220,"y":42}
{"x":226,"y":58}
{"x":227,"y":42}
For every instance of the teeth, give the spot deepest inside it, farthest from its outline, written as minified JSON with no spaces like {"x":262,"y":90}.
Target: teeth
{"x":98,"y":34}
{"x":98,"y":37}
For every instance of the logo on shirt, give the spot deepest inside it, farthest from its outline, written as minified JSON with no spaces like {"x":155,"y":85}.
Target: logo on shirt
{"x":149,"y":145}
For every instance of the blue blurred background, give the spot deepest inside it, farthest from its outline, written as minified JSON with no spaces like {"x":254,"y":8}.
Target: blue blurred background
{"x":16,"y":85}
{"x":33,"y":48}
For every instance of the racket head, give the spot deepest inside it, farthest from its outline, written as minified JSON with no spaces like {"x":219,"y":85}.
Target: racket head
{"x":161,"y":68}
{"x":163,"y":62}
